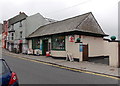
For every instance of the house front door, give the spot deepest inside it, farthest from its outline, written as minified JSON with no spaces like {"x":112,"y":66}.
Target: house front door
{"x":44,"y":47}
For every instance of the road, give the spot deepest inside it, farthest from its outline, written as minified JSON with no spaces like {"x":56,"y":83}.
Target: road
{"x":37,"y":73}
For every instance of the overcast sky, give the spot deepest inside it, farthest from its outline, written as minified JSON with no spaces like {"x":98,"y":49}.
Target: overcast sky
{"x":105,"y":11}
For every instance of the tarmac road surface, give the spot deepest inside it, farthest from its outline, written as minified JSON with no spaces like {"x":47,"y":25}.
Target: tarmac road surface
{"x":30,"y":72}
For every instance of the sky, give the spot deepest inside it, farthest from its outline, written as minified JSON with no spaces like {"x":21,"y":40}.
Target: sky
{"x":105,"y":11}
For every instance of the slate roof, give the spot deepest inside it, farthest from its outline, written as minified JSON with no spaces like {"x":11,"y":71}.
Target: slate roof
{"x":17,"y":18}
{"x":83,"y":23}
{"x":50,"y":20}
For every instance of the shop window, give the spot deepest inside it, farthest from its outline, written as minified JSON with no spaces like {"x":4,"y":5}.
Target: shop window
{"x":36,"y":43}
{"x":58,"y":43}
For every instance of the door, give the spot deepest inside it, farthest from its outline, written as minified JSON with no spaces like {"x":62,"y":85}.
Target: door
{"x":12,"y":47}
{"x":44,"y":46}
{"x":5,"y":44}
{"x":20,"y":48}
{"x":85,"y":52}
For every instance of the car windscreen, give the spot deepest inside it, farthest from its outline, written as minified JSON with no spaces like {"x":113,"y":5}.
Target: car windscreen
{"x":3,"y":67}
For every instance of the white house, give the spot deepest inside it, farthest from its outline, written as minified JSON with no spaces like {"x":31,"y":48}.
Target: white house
{"x":80,"y":36}
{"x":20,"y":27}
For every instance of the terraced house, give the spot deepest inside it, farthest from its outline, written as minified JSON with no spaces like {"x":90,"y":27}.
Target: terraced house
{"x":20,"y":27}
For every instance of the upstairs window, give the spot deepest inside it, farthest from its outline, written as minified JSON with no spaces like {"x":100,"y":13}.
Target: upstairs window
{"x":12,"y":27}
{"x":20,"y":24}
{"x":20,"y":34}
{"x":12,"y":36}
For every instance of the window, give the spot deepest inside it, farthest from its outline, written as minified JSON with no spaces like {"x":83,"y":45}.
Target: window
{"x":20,"y":34}
{"x":12,"y":27}
{"x":36,"y":43}
{"x":3,"y":67}
{"x":58,"y":42}
{"x":20,"y":24}
{"x":12,"y":36}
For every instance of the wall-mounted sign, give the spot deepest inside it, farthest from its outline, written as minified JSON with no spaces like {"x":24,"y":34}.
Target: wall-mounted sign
{"x":40,"y":46}
{"x":81,"y":47}
{"x":71,"y":38}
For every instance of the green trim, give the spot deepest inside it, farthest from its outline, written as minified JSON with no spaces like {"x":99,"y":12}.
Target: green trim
{"x":43,"y":52}
{"x":59,"y":49}
{"x":44,"y":46}
{"x":34,"y":44}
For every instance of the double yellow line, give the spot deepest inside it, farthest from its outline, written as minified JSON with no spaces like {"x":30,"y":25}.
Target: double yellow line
{"x":68,"y":68}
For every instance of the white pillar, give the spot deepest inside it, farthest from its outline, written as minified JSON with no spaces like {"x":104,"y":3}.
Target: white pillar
{"x":113,"y":54}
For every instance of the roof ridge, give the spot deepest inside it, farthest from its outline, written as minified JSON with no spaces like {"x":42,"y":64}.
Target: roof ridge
{"x":17,"y":15}
{"x":72,"y":24}
{"x":97,"y":23}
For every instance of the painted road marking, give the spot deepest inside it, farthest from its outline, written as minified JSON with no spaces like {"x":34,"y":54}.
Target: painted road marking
{"x":67,"y":68}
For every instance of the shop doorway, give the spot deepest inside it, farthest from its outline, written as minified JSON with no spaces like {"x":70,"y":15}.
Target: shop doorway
{"x":44,"y":47}
{"x":20,"y":48}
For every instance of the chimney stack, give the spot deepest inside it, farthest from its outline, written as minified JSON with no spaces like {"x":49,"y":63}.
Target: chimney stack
{"x":20,"y":13}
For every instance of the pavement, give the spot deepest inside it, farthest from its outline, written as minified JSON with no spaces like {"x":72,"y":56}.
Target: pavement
{"x":85,"y":65}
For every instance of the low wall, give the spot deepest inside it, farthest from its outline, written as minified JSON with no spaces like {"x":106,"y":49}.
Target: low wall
{"x":58,"y":53}
{"x":111,"y":50}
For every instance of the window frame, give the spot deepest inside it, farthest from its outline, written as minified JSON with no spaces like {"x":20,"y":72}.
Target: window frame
{"x":20,"y":25}
{"x":35,"y":45}
{"x":12,"y":36}
{"x":52,"y":39}
{"x":12,"y":27}
{"x":5,"y":67}
{"x":21,"y":33}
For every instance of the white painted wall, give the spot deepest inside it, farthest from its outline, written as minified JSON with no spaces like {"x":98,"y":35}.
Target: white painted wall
{"x":111,"y":49}
{"x":33,"y":23}
{"x":95,"y":45}
{"x":58,"y":53}
{"x":113,"y":54}
{"x":18,"y":29}
{"x":30,"y":44}
{"x":71,"y":47}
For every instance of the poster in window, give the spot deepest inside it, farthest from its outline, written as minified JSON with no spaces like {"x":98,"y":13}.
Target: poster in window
{"x":71,"y":38}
